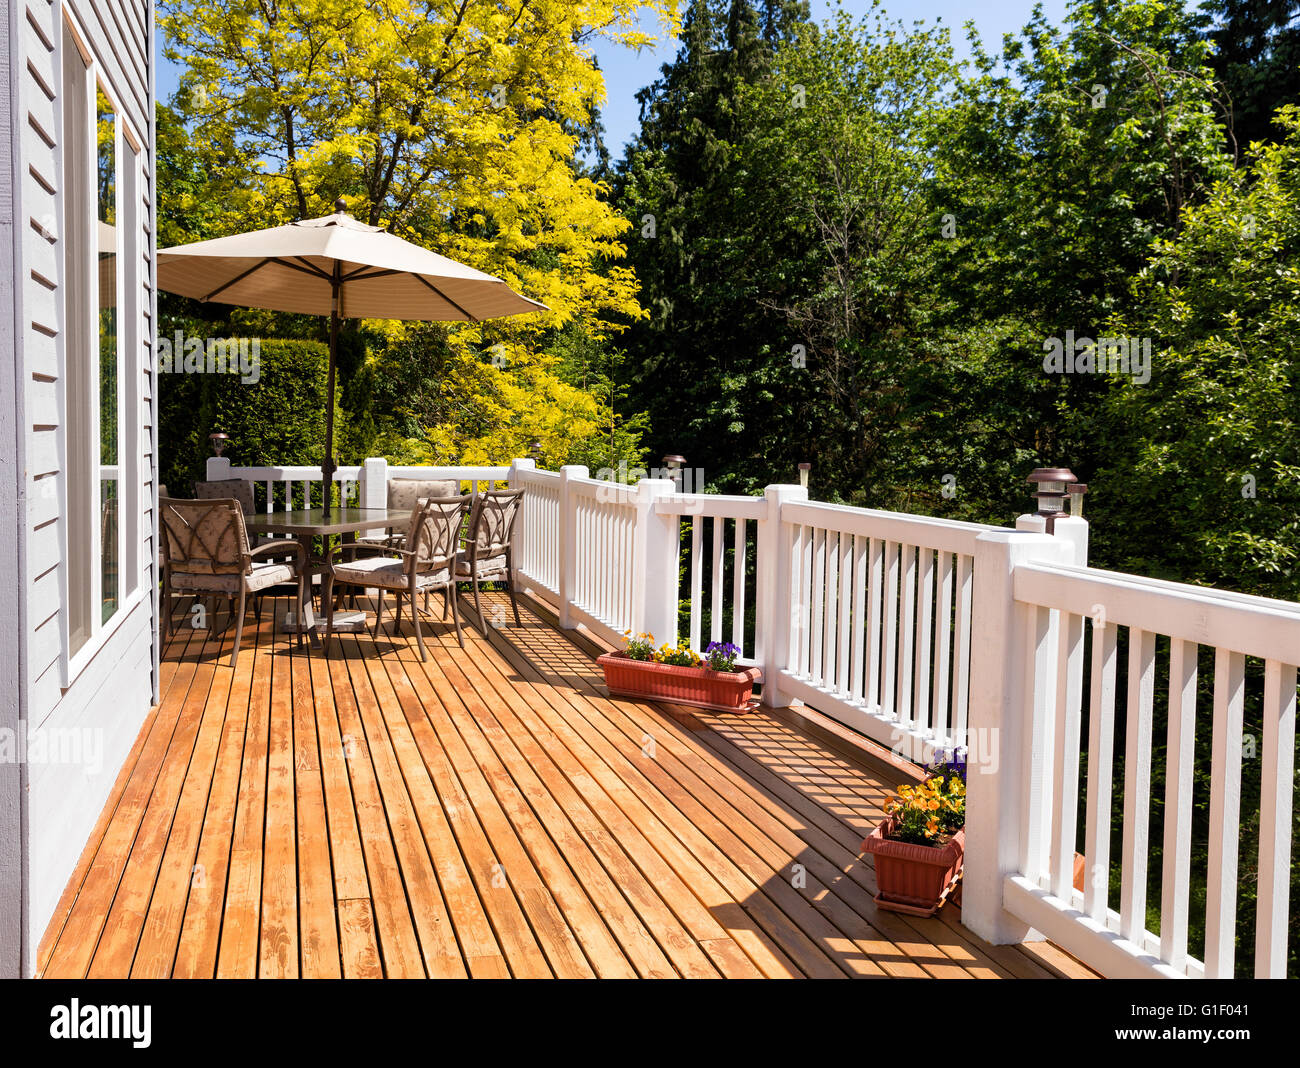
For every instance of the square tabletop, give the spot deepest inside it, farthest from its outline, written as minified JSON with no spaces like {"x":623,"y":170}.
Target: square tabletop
{"x":307,"y":522}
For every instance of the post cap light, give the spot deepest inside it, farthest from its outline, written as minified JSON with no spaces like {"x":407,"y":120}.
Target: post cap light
{"x":804,"y":470}
{"x":535,"y":449}
{"x":674,"y":462}
{"x":219,"y":441}
{"x":1051,"y":491}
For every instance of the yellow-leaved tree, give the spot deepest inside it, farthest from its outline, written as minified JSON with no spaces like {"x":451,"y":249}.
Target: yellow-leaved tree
{"x":454,"y":124}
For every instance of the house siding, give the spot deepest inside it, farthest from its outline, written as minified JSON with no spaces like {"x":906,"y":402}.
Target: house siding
{"x":111,"y":694}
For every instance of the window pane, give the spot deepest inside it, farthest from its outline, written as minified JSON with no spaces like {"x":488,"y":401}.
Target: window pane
{"x":109,"y":421}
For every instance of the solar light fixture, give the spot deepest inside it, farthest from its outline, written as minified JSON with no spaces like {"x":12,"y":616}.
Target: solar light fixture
{"x":1051,"y":491}
{"x":219,"y":441}
{"x":804,"y":470}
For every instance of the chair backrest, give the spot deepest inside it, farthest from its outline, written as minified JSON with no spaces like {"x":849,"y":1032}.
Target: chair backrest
{"x":225,"y":489}
{"x":435,"y":530}
{"x":204,"y":537}
{"x":404,"y":492}
{"x":492,"y":521}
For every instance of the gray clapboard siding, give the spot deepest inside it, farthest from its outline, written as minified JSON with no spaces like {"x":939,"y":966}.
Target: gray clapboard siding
{"x":111,"y":694}
{"x":13,"y":885}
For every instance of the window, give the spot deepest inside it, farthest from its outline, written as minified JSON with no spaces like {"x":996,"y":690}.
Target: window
{"x":101,"y":344}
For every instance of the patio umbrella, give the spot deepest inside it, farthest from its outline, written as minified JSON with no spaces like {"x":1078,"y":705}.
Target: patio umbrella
{"x":342,"y":268}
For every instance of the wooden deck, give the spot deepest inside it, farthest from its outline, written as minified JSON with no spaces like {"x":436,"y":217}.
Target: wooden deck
{"x":487,"y":813}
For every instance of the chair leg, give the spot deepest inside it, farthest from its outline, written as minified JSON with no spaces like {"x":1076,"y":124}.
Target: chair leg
{"x":455,"y":615}
{"x":478,"y":611}
{"x":397,"y":617}
{"x":447,"y":593}
{"x":379,"y":613}
{"x":510,"y":585}
{"x":415,"y":618}
{"x":239,"y":626}
{"x":300,"y":618}
{"x":167,"y":605}
{"x":326,"y":592}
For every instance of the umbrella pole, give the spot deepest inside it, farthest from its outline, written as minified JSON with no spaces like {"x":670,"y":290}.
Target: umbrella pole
{"x":327,"y":469}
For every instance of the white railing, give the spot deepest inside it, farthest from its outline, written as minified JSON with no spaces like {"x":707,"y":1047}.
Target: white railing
{"x":881,"y":605}
{"x":539,"y":550}
{"x":724,"y":555}
{"x":927,"y":634}
{"x":287,"y":488}
{"x":1059,"y":657}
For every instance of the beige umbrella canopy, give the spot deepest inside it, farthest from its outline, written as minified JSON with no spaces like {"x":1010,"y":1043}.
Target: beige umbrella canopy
{"x":338,"y":267}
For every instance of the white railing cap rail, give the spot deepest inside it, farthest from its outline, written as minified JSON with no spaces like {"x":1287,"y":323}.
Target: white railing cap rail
{"x":1255,"y":626}
{"x":944,"y":535}
{"x":716,"y":505}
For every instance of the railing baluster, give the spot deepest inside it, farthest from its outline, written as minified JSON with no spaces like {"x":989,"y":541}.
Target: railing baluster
{"x":961,"y":671}
{"x":716,"y":579}
{"x":1180,"y":752}
{"x":816,"y":623}
{"x":860,"y":581}
{"x":831,"y":607}
{"x":697,"y":578}
{"x":875,"y":593}
{"x":887,"y":702}
{"x":924,"y":625}
{"x":794,"y":656}
{"x":805,"y":603}
{"x":1137,"y":783}
{"x":1065,"y":764}
{"x":739,"y":561}
{"x":844,"y":659}
{"x":1277,"y":783}
{"x":1225,"y":806}
{"x":907,"y":634}
{"x":1101,"y":748}
{"x":943,"y":652}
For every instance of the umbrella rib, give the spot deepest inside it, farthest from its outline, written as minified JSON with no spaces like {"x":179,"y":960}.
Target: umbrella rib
{"x":357,"y":274}
{"x":236,"y":280}
{"x":307,"y":267}
{"x":439,"y":292}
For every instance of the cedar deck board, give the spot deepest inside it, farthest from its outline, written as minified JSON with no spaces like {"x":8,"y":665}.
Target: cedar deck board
{"x":487,"y":812}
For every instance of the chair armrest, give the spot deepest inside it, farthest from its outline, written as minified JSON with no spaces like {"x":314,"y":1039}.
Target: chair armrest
{"x":281,"y":547}
{"x":355,"y":547}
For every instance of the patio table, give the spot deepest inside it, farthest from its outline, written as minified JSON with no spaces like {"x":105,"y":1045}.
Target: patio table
{"x":305,"y":524}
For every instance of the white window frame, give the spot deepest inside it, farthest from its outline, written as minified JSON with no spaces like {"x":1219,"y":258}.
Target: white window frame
{"x":129,"y":184}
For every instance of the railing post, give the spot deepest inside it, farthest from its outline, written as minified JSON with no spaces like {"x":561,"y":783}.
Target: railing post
{"x":1004,"y":748}
{"x":654,"y":564}
{"x":568,"y":541}
{"x":373,"y":491}
{"x":775,"y":594}
{"x":218,"y":468}
{"x":517,"y":465}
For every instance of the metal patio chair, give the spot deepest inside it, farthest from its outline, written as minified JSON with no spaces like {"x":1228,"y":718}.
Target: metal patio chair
{"x":206,"y":550}
{"x":425,"y":564}
{"x":488,"y":555}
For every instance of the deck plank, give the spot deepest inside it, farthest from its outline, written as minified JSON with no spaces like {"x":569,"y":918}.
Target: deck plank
{"x":489,"y":811}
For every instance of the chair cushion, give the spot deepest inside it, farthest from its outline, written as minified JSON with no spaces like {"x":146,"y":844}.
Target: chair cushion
{"x":385,"y":571}
{"x":262,"y":577}
{"x":493,"y":565}
{"x":404,"y":492}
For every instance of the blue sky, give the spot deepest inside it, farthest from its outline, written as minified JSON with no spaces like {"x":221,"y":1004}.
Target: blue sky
{"x":627,"y":71}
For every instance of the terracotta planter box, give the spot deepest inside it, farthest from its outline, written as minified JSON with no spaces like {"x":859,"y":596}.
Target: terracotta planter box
{"x":723,"y":691}
{"x":913,"y":878}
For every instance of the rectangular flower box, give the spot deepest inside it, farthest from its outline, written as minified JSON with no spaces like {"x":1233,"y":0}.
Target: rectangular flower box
{"x":913,"y":878}
{"x":722,"y":691}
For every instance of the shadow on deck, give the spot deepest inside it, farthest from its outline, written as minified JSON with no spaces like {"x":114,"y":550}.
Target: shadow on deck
{"x":489,"y":812}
